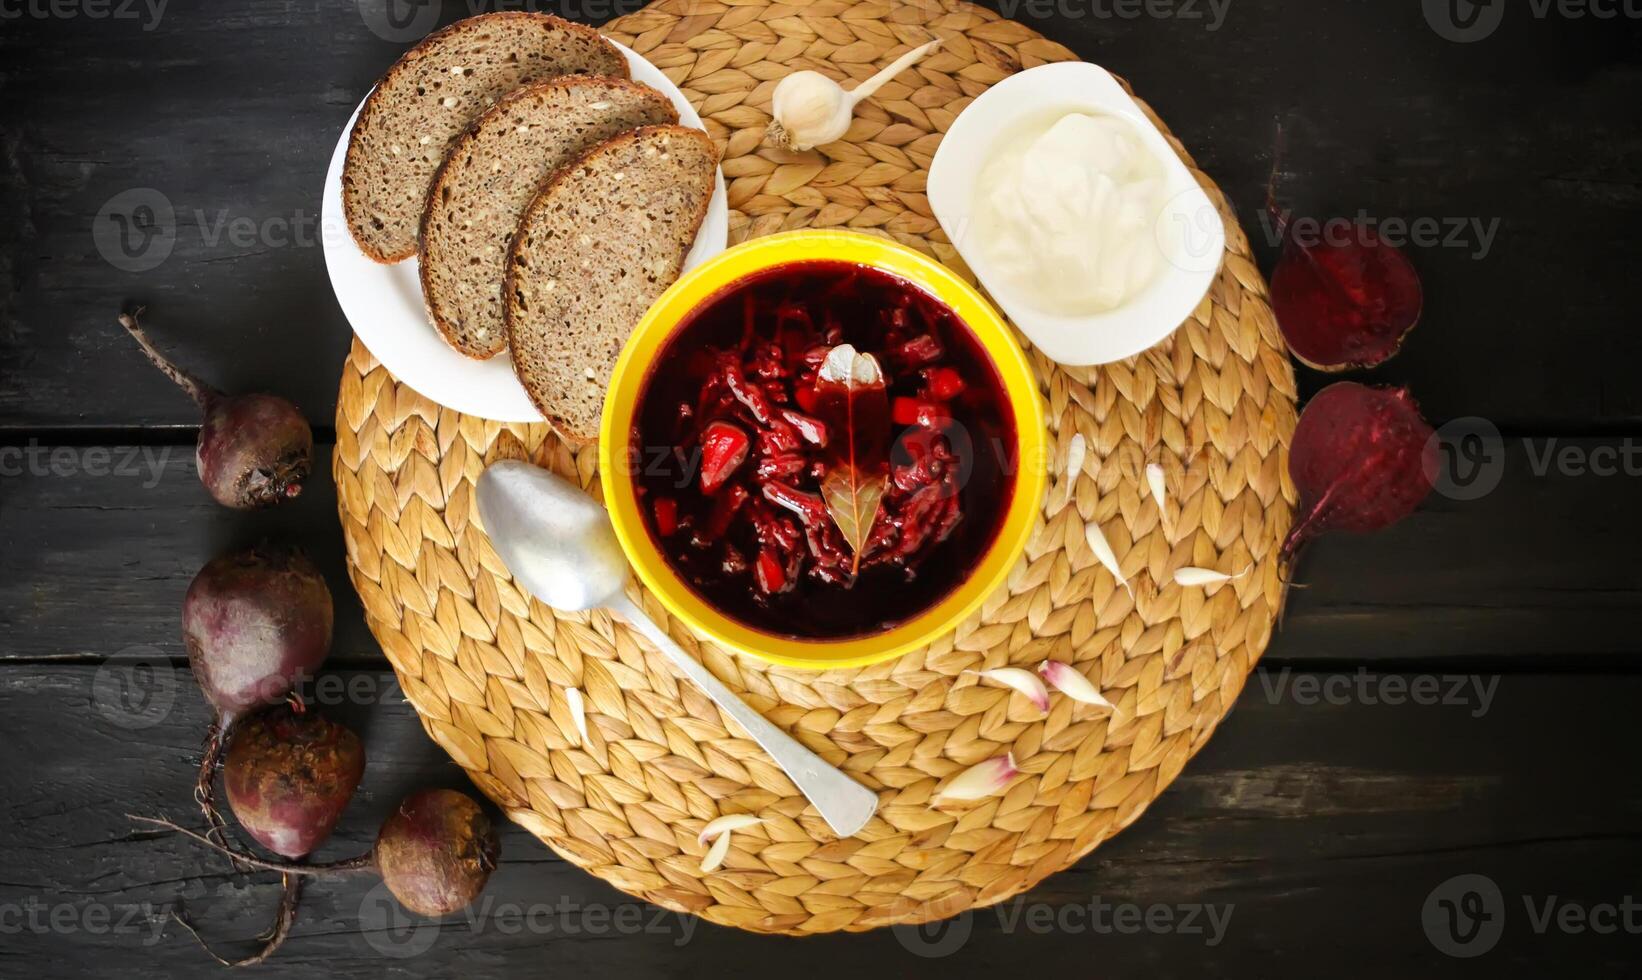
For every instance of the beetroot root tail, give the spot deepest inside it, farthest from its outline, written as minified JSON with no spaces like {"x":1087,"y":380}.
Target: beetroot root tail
{"x":272,"y":940}
{"x":205,"y":793}
{"x":364,"y":862}
{"x":198,"y":390}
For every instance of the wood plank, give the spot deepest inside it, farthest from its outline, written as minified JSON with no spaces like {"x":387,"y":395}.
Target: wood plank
{"x":1319,"y":829}
{"x":115,"y":542}
{"x":230,"y":111}
{"x":1540,"y":567}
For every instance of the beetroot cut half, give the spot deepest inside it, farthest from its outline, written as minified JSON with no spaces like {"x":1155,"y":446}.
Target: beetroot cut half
{"x":1341,"y":301}
{"x":1345,"y":301}
{"x":1362,"y":459}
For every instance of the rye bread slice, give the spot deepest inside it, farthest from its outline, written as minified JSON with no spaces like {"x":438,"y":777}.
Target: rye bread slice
{"x":597,"y":246}
{"x":431,"y":95}
{"x":493,"y":171}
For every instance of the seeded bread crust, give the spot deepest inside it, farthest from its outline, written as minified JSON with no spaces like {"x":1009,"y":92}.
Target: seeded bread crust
{"x":492,"y":173}
{"x":423,"y":103}
{"x":604,"y":238}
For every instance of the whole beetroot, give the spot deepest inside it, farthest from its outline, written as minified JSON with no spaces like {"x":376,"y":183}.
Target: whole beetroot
{"x":253,"y":450}
{"x":255,"y":623}
{"x":437,"y":851}
{"x":289,"y":775}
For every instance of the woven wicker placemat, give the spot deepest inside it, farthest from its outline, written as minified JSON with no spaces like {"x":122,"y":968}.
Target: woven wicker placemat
{"x":487,"y":669}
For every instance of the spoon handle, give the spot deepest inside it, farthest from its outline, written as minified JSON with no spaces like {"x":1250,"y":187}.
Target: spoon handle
{"x":845,"y":804}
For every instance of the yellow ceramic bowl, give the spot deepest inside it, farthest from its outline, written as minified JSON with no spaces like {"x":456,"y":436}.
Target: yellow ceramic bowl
{"x":703,"y":282}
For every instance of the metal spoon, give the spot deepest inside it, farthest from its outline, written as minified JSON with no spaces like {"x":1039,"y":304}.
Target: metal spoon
{"x":558,"y":543}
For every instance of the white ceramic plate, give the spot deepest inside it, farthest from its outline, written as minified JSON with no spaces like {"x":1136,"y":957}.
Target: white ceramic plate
{"x":384,"y":302}
{"x":1188,"y":232}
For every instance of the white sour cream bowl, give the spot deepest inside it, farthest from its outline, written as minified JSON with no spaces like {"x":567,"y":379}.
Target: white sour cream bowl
{"x":1187,"y":233}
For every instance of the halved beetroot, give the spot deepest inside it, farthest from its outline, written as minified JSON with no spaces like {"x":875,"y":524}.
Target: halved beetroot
{"x":1362,"y":458}
{"x":1346,"y":299}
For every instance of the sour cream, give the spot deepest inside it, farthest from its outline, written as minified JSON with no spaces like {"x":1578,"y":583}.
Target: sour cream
{"x":1065,"y":211}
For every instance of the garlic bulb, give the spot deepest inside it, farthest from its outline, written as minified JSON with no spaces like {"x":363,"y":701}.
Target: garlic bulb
{"x":811,"y":109}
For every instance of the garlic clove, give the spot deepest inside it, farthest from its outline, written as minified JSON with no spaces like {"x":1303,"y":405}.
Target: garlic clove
{"x":578,"y":711}
{"x":1077,"y":449}
{"x":809,"y":109}
{"x":716,"y":853}
{"x":1154,"y":479}
{"x":1070,"y":681}
{"x":723,"y":825}
{"x":1021,"y":680}
{"x":1103,"y":551}
{"x":1196,"y":577}
{"x":980,"y":780}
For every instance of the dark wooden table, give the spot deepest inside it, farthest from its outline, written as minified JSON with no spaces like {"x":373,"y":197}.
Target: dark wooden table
{"x":1433,"y":771}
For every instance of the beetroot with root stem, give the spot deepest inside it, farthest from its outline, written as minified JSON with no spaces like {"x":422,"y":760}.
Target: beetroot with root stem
{"x":435,"y":852}
{"x":253,"y":450}
{"x":255,"y":622}
{"x":289,"y":775}
{"x":1362,"y":458}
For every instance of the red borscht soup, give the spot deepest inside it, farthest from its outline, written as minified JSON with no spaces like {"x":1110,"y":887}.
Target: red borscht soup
{"x":823,"y":450}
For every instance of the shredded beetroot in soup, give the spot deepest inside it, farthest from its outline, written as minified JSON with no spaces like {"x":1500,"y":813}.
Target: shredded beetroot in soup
{"x":823,"y":450}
